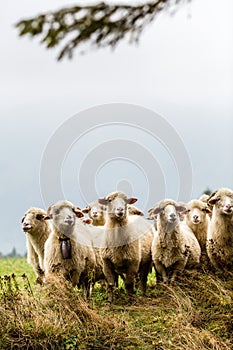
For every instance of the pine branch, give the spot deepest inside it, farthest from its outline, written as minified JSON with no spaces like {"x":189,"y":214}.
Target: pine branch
{"x":98,"y":25}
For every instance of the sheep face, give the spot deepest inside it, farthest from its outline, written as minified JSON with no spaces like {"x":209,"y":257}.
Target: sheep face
{"x":169,"y":213}
{"x":95,"y":211}
{"x":63,"y":215}
{"x":33,"y":219}
{"x":196,"y":212}
{"x":116,"y":203}
{"x":222,"y":200}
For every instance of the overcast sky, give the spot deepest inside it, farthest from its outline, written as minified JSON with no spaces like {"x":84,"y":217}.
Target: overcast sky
{"x":182,"y":69}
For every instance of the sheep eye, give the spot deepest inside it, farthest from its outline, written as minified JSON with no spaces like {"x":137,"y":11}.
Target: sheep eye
{"x":39,"y":216}
{"x":109,"y":200}
{"x":57,"y":211}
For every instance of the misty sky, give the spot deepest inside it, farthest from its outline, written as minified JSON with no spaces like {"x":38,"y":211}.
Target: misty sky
{"x":182,"y":69}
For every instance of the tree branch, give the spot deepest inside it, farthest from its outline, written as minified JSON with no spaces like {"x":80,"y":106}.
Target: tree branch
{"x":99,"y":25}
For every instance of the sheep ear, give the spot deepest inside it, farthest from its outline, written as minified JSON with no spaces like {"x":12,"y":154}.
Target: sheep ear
{"x":208,"y":210}
{"x":131,"y":200}
{"x":78,"y":213}
{"x":49,"y":212}
{"x":87,"y":221}
{"x":139,"y":213}
{"x":158,"y":210}
{"x":103,"y":201}
{"x":180,"y":209}
{"x":212,"y":198}
{"x":85,"y":210}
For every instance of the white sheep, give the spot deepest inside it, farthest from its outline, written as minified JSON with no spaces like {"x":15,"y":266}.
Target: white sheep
{"x":68,"y":251}
{"x":174,"y":245}
{"x":197,"y":219}
{"x":220,"y":232}
{"x":96,"y":213}
{"x":37,"y":229}
{"x":122,"y":247}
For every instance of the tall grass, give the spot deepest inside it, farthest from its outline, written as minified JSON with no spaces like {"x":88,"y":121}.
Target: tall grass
{"x":194,"y":314}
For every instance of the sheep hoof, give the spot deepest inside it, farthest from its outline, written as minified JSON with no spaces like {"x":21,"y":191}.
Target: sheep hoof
{"x":39,"y":281}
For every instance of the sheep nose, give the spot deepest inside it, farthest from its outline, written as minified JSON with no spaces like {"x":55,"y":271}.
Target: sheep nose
{"x":120,"y":209}
{"x":173,"y":216}
{"x":195,"y":217}
{"x":26,"y":226}
{"x":94,"y":212}
{"x":69,"y":217}
{"x":228,"y":206}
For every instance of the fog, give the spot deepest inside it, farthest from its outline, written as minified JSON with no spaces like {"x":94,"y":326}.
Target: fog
{"x":181,"y":69}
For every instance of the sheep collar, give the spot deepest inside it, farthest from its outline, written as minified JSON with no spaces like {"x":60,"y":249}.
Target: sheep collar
{"x":65,"y":246}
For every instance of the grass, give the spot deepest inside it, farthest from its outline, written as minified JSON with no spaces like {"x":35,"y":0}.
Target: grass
{"x":194,"y":314}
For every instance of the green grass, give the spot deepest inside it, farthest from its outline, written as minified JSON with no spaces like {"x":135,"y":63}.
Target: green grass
{"x":194,"y":314}
{"x":18,"y":266}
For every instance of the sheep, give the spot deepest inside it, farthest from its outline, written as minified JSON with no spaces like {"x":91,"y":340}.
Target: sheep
{"x":37,"y":229}
{"x":121,"y":253}
{"x":197,"y":219}
{"x":64,"y":254}
{"x":174,"y":246}
{"x":220,"y":232}
{"x":96,"y":213}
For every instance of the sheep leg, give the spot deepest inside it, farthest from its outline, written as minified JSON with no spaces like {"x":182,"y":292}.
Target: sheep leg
{"x":130,"y":277}
{"x":33,"y":260}
{"x":39,"y":274}
{"x":178,"y":267}
{"x":129,"y":283}
{"x":116,"y":280}
{"x":110,"y":276}
{"x":143,"y":273}
{"x":75,"y":277}
{"x":161,"y":271}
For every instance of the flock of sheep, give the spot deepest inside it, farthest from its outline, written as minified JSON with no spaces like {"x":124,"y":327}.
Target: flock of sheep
{"x":116,"y":240}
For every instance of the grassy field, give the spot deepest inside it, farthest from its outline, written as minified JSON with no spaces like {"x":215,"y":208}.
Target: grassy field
{"x":194,"y":314}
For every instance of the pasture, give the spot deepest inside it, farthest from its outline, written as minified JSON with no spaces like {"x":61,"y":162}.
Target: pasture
{"x":194,"y":314}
